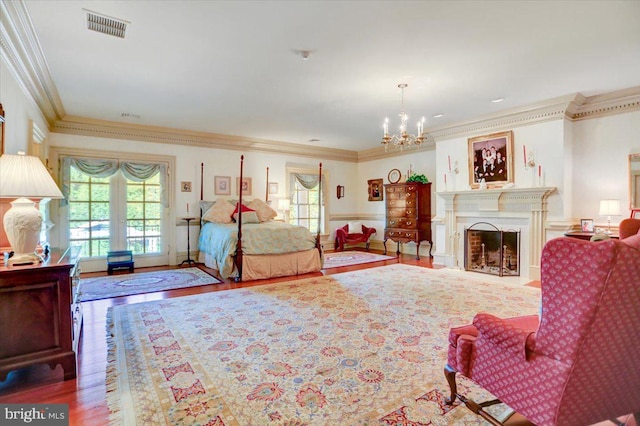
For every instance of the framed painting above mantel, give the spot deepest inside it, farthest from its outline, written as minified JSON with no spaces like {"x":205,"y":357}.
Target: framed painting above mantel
{"x":491,"y":160}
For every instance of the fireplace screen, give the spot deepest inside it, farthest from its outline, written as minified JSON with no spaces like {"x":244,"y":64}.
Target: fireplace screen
{"x":490,"y":250}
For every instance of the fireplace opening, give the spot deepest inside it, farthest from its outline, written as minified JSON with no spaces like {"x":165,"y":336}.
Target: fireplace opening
{"x":490,"y":250}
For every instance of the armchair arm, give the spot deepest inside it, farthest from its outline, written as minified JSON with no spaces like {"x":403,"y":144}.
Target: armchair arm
{"x":341,"y":232}
{"x":511,"y":334}
{"x":368,"y":232}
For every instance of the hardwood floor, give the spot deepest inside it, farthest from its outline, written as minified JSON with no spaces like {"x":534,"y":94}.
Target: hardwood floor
{"x":86,"y":394}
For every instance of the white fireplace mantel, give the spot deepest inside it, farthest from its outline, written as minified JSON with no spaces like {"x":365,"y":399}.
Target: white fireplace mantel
{"x":527,"y":203}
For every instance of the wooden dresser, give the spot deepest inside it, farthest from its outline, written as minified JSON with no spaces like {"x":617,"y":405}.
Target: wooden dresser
{"x":408,"y":214}
{"x":40,"y":313}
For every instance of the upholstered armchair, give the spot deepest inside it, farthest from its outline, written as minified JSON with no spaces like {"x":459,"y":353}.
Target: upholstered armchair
{"x":579,"y":362}
{"x":629,"y":227}
{"x":346,"y":236}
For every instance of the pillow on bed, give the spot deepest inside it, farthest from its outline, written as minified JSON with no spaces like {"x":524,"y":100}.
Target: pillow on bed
{"x":247,"y":217}
{"x":205,"y":205}
{"x":263,"y":210}
{"x":220,"y":212}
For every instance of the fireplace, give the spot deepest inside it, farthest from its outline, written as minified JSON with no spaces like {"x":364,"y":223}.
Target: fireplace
{"x":490,"y":250}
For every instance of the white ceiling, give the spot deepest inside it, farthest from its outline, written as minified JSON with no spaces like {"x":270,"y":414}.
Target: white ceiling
{"x":232,"y":67}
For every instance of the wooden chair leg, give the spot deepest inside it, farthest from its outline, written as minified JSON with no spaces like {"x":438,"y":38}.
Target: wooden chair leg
{"x":450,"y":375}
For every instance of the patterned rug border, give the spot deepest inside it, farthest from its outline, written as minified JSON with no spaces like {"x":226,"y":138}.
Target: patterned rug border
{"x":122,"y":411}
{"x":376,"y":258}
{"x":203,"y":278}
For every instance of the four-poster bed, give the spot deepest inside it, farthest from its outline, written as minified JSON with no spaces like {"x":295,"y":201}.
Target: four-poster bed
{"x":255,"y":249}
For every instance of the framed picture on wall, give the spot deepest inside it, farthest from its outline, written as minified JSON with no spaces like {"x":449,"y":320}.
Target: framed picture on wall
{"x":222,"y":185}
{"x":491,"y":160}
{"x":375,"y":189}
{"x":635,"y":213}
{"x":273,"y":188}
{"x":245,"y":185}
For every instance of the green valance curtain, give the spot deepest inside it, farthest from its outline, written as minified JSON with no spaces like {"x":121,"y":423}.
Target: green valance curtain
{"x":102,"y":168}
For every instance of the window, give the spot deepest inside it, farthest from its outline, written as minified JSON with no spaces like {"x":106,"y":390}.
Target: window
{"x":304,"y":209}
{"x":305,"y":193}
{"x":144,"y":214}
{"x":116,"y":205}
{"x":89,"y":215}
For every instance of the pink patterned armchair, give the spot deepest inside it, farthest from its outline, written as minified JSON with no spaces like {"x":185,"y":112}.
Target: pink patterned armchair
{"x":343,"y":236}
{"x":629,"y":227}
{"x":580,"y":363}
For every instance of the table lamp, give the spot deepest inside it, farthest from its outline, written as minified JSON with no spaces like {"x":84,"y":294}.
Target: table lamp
{"x":23,"y":177}
{"x":609,"y":208}
{"x":284,"y":205}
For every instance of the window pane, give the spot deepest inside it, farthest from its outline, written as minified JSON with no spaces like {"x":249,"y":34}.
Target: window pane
{"x":79,"y":192}
{"x":135,"y":192}
{"x":135,"y":211}
{"x":100,"y":211}
{"x":152,"y":211}
{"x":152,"y":193}
{"x":100,"y":192}
{"x":78,"y":211}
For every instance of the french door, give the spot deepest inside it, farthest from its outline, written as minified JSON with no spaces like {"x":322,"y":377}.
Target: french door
{"x":116,"y":213}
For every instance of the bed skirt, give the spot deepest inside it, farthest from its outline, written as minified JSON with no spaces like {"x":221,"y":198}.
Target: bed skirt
{"x":258,"y":267}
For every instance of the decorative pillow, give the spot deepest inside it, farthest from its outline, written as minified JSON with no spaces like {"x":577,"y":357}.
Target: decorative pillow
{"x":262,"y":209}
{"x":220,"y":212}
{"x":355,"y":227}
{"x":205,"y":205}
{"x":247,"y":217}
{"x":244,"y":209}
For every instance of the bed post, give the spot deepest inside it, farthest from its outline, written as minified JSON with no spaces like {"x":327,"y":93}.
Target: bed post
{"x":201,"y":191}
{"x":239,"y":206}
{"x":318,"y":245}
{"x":266,"y":194}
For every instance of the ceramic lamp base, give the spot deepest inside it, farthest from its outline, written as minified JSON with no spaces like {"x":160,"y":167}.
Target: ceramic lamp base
{"x":23,"y":223}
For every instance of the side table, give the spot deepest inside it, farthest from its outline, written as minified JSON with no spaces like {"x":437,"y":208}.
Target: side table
{"x":585,"y":235}
{"x":188,"y":260}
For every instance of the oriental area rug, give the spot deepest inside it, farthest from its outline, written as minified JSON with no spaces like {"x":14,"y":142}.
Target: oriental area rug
{"x":359,"y":348}
{"x":347,"y":258}
{"x":142,"y":282}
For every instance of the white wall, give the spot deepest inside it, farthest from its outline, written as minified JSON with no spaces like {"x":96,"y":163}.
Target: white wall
{"x":19,"y":110}
{"x":601,"y":168}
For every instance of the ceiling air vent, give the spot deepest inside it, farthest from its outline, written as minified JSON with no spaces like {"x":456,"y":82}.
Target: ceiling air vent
{"x":105,"y":24}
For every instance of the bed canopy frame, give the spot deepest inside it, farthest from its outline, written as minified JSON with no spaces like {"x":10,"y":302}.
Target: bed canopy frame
{"x":238,"y":253}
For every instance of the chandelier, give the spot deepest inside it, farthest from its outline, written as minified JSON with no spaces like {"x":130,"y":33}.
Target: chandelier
{"x":404,"y":139}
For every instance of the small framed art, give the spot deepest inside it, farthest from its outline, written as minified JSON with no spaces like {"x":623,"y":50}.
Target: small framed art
{"x":586,"y":225}
{"x":273,"y":188}
{"x":185,"y":186}
{"x":222,"y":185}
{"x":246,"y":186}
{"x":375,"y":189}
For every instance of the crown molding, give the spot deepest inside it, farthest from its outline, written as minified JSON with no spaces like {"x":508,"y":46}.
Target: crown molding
{"x":26,"y":60}
{"x":611,"y":103}
{"x":112,"y":130}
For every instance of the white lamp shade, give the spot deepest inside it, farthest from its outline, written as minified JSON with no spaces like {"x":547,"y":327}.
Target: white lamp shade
{"x":283,"y":204}
{"x":25,"y":176}
{"x":610,"y":207}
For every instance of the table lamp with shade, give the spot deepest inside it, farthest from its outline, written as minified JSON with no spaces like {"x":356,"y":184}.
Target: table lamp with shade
{"x":283,"y":206}
{"x":609,"y":207}
{"x":23,"y":177}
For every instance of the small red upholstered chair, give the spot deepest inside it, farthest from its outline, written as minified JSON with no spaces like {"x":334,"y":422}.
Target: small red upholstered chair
{"x":629,"y":227}
{"x":348,"y":235}
{"x":579,"y":364}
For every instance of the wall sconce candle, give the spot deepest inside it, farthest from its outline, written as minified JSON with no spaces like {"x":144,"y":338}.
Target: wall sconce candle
{"x":340,"y":191}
